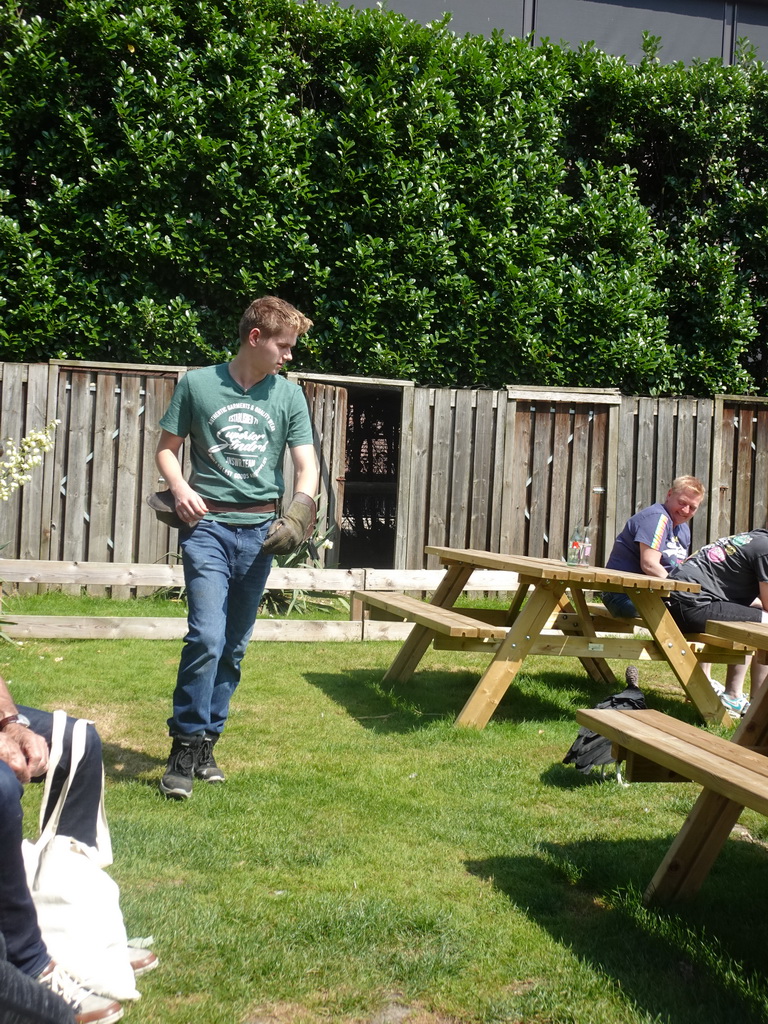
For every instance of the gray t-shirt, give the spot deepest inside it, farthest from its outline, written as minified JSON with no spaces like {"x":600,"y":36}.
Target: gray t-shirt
{"x":237,"y":438}
{"x":729,"y":569}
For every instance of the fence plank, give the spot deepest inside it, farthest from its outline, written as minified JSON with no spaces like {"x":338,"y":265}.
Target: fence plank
{"x":611,"y":524}
{"x":727,"y":448}
{"x":626,"y":483}
{"x":12,"y":428}
{"x":481,"y":482}
{"x":760,"y":497}
{"x":31,"y":526}
{"x":461,"y":476}
{"x":420,"y":476}
{"x":557,"y":539}
{"x":103,"y":472}
{"x":126,"y":485}
{"x":338,"y":470}
{"x":580,"y":457}
{"x":702,"y":527}
{"x":666,"y":413}
{"x":540,"y":472}
{"x":597,"y":476}
{"x":406,"y":455}
{"x":50,"y":490}
{"x":685,"y":451}
{"x":498,"y":495}
{"x":743,"y":480}
{"x":645,"y":476}
{"x":440,"y":479}
{"x":516,"y":462}
{"x":79,"y":448}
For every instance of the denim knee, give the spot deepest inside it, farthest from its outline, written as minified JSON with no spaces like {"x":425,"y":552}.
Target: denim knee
{"x":11,"y":792}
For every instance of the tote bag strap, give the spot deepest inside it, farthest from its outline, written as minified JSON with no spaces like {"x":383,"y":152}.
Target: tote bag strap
{"x":57,"y":748}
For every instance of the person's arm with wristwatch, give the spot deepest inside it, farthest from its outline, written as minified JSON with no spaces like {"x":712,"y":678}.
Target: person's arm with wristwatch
{"x":23,"y":751}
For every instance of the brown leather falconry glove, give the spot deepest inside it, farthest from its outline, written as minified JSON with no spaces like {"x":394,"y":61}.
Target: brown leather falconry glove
{"x":293,"y":527}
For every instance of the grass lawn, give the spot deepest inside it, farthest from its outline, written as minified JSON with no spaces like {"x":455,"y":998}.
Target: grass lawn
{"x":368,"y":862}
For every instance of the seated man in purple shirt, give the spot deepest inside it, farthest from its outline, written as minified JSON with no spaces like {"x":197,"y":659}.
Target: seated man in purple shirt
{"x":654,"y":540}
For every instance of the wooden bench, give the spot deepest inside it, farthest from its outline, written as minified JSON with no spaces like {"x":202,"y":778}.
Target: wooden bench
{"x":446,"y":621}
{"x":733,"y":775}
{"x":476,"y":628}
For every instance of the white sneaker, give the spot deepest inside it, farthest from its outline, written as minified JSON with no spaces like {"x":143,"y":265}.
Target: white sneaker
{"x":89,"y":1008}
{"x":717,"y":687}
{"x":736,"y":707}
{"x":142,"y":960}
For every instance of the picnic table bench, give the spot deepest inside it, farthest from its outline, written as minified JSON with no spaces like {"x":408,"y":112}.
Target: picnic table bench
{"x":733,"y":773}
{"x":550,"y":614}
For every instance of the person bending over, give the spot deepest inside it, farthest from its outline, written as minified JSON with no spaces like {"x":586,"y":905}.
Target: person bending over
{"x":733,"y":573}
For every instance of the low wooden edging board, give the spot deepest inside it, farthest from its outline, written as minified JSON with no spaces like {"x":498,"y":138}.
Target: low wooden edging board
{"x":25,"y":574}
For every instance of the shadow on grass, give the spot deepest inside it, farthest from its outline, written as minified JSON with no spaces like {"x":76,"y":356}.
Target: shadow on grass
{"x":121,"y":763}
{"x":670,"y":962}
{"x":431,"y":694}
{"x":566,"y":776}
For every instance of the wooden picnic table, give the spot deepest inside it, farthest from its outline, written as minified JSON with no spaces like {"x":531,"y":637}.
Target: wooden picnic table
{"x":733,"y":774}
{"x":551,"y":592}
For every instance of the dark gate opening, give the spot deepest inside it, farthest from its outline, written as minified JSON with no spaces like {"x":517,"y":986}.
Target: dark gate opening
{"x":370,"y":490}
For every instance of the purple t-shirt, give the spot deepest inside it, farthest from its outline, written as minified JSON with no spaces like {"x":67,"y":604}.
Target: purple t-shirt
{"x":652,"y":526}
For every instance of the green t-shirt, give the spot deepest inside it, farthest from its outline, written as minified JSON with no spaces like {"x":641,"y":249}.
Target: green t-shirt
{"x":237,"y":438}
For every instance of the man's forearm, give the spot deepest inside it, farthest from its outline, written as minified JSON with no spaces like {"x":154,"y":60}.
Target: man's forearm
{"x":7,"y":705}
{"x":307,"y":482}
{"x":170,"y":468}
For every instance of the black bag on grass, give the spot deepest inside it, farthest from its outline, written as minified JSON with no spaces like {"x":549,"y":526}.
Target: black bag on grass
{"x":590,"y":750}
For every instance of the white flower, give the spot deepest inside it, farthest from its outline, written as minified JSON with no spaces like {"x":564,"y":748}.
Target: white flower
{"x":18,"y":459}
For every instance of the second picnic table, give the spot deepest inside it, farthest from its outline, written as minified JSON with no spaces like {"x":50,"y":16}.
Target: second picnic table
{"x":554,"y":593}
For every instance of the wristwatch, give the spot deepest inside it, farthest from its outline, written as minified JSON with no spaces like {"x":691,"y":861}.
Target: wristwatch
{"x":14,"y":719}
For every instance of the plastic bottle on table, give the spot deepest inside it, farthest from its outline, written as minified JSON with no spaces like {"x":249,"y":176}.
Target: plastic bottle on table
{"x":586,"y":547}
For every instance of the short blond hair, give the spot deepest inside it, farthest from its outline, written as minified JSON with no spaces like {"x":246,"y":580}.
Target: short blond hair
{"x":687,"y":483}
{"x":271,"y":316}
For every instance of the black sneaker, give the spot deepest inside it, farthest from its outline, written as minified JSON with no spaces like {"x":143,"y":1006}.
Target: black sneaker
{"x":205,"y":765}
{"x":177,"y":781}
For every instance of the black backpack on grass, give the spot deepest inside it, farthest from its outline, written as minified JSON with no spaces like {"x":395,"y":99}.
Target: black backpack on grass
{"x":591,"y":750}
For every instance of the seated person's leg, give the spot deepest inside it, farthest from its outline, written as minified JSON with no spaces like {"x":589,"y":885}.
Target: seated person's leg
{"x":24,"y":1001}
{"x":619,"y":605}
{"x":692,"y":616}
{"x":81,"y":808}
{"x":18,"y":919}
{"x":758,"y":674}
{"x":735,"y":676}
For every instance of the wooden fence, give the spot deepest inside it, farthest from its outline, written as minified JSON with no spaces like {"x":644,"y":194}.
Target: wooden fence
{"x":17,"y":574}
{"x":510,"y":470}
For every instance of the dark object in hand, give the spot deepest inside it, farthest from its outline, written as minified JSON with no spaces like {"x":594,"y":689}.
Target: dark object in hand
{"x":293,"y":527}
{"x":163,"y":504}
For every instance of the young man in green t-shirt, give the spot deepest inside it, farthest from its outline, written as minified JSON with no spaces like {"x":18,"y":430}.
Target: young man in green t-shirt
{"x":239,"y":418}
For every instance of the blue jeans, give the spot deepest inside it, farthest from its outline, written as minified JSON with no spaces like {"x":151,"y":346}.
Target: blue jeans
{"x":18,"y":919}
{"x":225,"y":573}
{"x":619,"y":605}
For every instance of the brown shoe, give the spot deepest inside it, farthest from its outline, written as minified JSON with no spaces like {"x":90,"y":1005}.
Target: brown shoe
{"x":89,"y":1008}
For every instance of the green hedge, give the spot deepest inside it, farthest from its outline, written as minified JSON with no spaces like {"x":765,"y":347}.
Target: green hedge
{"x":455,"y":211}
